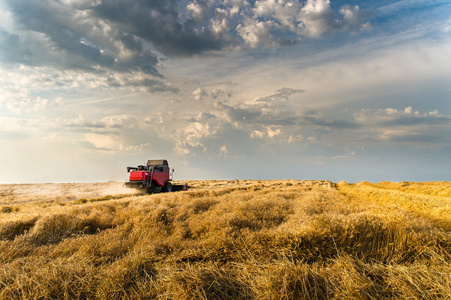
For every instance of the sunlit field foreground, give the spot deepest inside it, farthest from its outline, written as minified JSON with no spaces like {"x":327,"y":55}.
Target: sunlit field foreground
{"x":282,"y":239}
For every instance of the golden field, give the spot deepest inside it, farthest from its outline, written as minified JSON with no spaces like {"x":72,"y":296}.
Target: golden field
{"x":281,"y":239}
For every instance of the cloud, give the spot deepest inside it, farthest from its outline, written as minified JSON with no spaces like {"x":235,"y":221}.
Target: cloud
{"x":285,"y":22}
{"x":122,"y":44}
{"x":11,"y":50}
{"x":112,"y":133}
{"x":119,"y":35}
{"x":319,"y":121}
{"x":62,"y":28}
{"x":406,"y":5}
{"x":406,"y":126}
{"x":102,"y":142}
{"x":280,"y":95}
{"x":199,"y":93}
{"x":256,"y":33}
{"x":353,"y":19}
{"x":22,"y":89}
{"x":270,"y":132}
{"x":171,"y":31}
{"x":69,"y":36}
{"x":396,"y":117}
{"x":317,"y":17}
{"x":265,"y":120}
{"x":272,"y":120}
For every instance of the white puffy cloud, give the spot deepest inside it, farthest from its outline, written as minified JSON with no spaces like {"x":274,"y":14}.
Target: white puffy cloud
{"x":255,"y":33}
{"x":220,"y":24}
{"x":276,"y":23}
{"x":195,"y":10}
{"x":269,"y":132}
{"x":284,"y":11}
{"x":120,"y":121}
{"x":317,"y":18}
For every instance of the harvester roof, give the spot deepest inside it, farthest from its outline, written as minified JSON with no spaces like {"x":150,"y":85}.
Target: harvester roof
{"x":157,"y":162}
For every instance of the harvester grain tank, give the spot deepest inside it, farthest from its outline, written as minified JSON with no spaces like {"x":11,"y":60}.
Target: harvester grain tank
{"x":154,"y":177}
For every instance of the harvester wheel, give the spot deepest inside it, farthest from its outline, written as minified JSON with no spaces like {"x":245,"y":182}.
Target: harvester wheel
{"x":155,"y":189}
{"x":168,"y":187}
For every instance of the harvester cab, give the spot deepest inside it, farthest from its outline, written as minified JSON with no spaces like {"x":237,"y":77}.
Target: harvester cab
{"x":154,"y":177}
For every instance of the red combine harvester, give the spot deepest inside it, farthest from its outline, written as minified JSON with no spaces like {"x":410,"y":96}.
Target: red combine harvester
{"x":155,"y":177}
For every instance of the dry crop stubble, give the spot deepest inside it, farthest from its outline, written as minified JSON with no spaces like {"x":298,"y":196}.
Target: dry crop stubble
{"x":282,"y":239}
{"x":430,"y":201}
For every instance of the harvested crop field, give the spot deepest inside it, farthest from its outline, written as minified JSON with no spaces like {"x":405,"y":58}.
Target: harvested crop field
{"x":281,"y":239}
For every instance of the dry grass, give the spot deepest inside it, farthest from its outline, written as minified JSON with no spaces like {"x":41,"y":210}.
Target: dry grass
{"x":232,"y":240}
{"x":428,"y":200}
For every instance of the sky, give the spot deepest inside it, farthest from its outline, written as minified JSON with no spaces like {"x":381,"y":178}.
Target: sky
{"x":334,"y":90}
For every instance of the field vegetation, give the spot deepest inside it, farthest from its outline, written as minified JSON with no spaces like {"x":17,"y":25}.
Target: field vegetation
{"x":281,"y":239}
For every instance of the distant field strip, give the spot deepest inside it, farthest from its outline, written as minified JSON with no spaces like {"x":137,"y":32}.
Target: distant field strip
{"x":58,"y":192}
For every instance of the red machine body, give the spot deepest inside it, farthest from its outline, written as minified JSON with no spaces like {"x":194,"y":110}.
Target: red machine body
{"x":139,"y":175}
{"x":155,"y":177}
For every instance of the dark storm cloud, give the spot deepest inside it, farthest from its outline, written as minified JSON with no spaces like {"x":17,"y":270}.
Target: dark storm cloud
{"x":66,"y":35}
{"x":101,"y":31}
{"x":111,"y":34}
{"x":126,"y":36}
{"x":10,"y":49}
{"x":159,"y":23}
